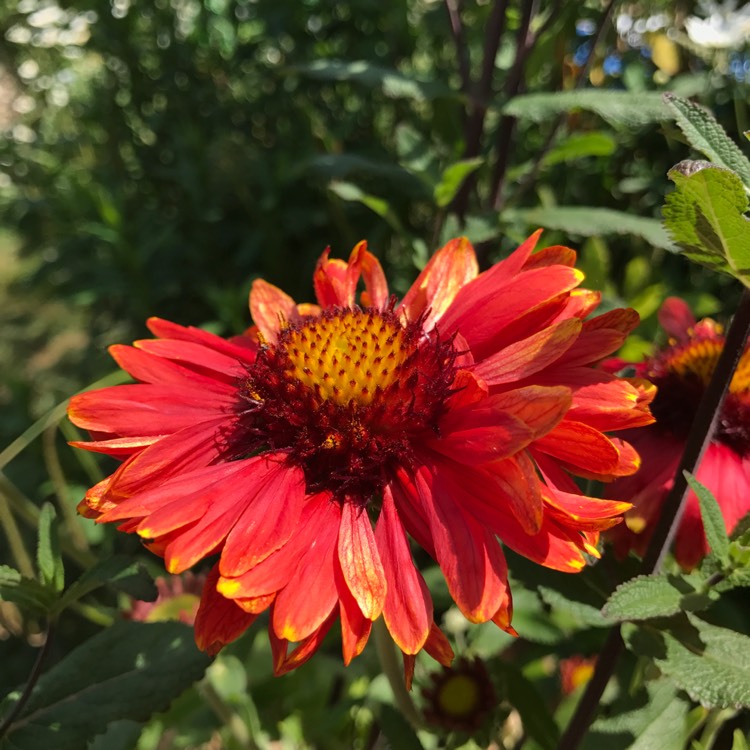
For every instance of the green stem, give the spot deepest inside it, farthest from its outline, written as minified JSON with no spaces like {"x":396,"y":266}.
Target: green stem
{"x":228,"y":716}
{"x":36,"y":673}
{"x":29,"y":514}
{"x":56,"y":474}
{"x":15,"y":540}
{"x":394,"y":672}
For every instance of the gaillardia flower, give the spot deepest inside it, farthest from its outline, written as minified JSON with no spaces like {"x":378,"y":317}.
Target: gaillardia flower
{"x":306,"y":453}
{"x":681,"y":371}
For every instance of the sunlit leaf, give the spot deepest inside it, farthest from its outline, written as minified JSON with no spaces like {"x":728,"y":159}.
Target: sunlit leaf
{"x":713,"y":520}
{"x":129,"y":671}
{"x":705,"y":216}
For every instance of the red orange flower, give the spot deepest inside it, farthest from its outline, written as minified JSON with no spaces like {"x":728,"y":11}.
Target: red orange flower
{"x":681,"y":372}
{"x":308,"y":451}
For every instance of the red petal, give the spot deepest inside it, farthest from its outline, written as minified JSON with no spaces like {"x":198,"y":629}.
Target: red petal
{"x":376,"y":286}
{"x":331,"y":282}
{"x":268,"y":521}
{"x":355,"y":627}
{"x":554,"y":255}
{"x":470,"y":558}
{"x":436,"y":287}
{"x":117,"y":447}
{"x":613,"y":404}
{"x":528,"y":356}
{"x":540,"y":408}
{"x":275,"y":572}
{"x":303,"y":652}
{"x":581,"y":446}
{"x":438,"y":647}
{"x":270,"y":307}
{"x":174,"y":455}
{"x":483,"y":308}
{"x":676,"y":318}
{"x":360,"y":561}
{"x":239,"y":347}
{"x":408,"y":605}
{"x":138,"y":410}
{"x":148,"y":368}
{"x":518,"y":484}
{"x":310,"y":596}
{"x":196,"y":357}
{"x":219,"y":621}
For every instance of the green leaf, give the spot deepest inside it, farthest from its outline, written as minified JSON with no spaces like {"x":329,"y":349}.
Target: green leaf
{"x":522,"y":694}
{"x":711,"y":664}
{"x":704,"y":215}
{"x":657,"y":722}
{"x":579,"y":145}
{"x":391,"y":82}
{"x":713,"y":520}
{"x":120,"y":735}
{"x":349,"y":192}
{"x":631,"y":109}
{"x":129,"y":671}
{"x":397,"y":730}
{"x":452,"y":179}
{"x":28,"y":593}
{"x":647,"y":597}
{"x":48,"y":555}
{"x":705,"y":134}
{"x":120,"y":572}
{"x":586,"y":614}
{"x":739,"y":741}
{"x":589,"y":221}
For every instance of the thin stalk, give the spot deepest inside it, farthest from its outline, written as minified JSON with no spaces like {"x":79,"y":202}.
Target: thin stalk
{"x":36,"y":673}
{"x":28,"y":512}
{"x":459,"y":40}
{"x":57,"y":475}
{"x":698,"y":439}
{"x":15,"y":540}
{"x":394,"y":672}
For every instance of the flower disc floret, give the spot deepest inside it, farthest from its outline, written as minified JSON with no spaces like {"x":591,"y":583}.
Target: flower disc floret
{"x":346,"y":394}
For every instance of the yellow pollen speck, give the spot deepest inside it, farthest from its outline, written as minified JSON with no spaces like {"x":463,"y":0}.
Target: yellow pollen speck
{"x":350,"y":347}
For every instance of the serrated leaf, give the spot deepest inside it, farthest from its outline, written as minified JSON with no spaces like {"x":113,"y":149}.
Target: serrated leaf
{"x":711,"y":664}
{"x":48,"y":555}
{"x":586,"y":614}
{"x":452,"y":179}
{"x":704,"y":215}
{"x":391,"y":82}
{"x":120,"y":572}
{"x":129,"y":671}
{"x":713,"y":519}
{"x":631,"y":109}
{"x":522,"y":694}
{"x":705,"y":134}
{"x":28,"y":593}
{"x":589,"y":221}
{"x":647,"y":597}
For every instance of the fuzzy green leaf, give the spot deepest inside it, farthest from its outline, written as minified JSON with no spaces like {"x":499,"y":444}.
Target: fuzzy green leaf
{"x":705,"y":134}
{"x":129,"y":671}
{"x":27,"y":593}
{"x":586,"y":614}
{"x":631,"y":109}
{"x":713,"y":520}
{"x":704,"y":215}
{"x":48,"y":556}
{"x":589,"y":221}
{"x":452,"y":179}
{"x":711,"y":664}
{"x":647,"y":597}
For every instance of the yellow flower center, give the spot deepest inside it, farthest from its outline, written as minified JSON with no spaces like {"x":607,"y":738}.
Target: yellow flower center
{"x":348,"y":358}
{"x":459,"y":695}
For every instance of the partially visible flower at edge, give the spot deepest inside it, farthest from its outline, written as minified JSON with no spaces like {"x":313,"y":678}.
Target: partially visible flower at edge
{"x":576,"y":671}
{"x":681,"y":371}
{"x":178,"y":599}
{"x":455,"y":417}
{"x":723,"y":28}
